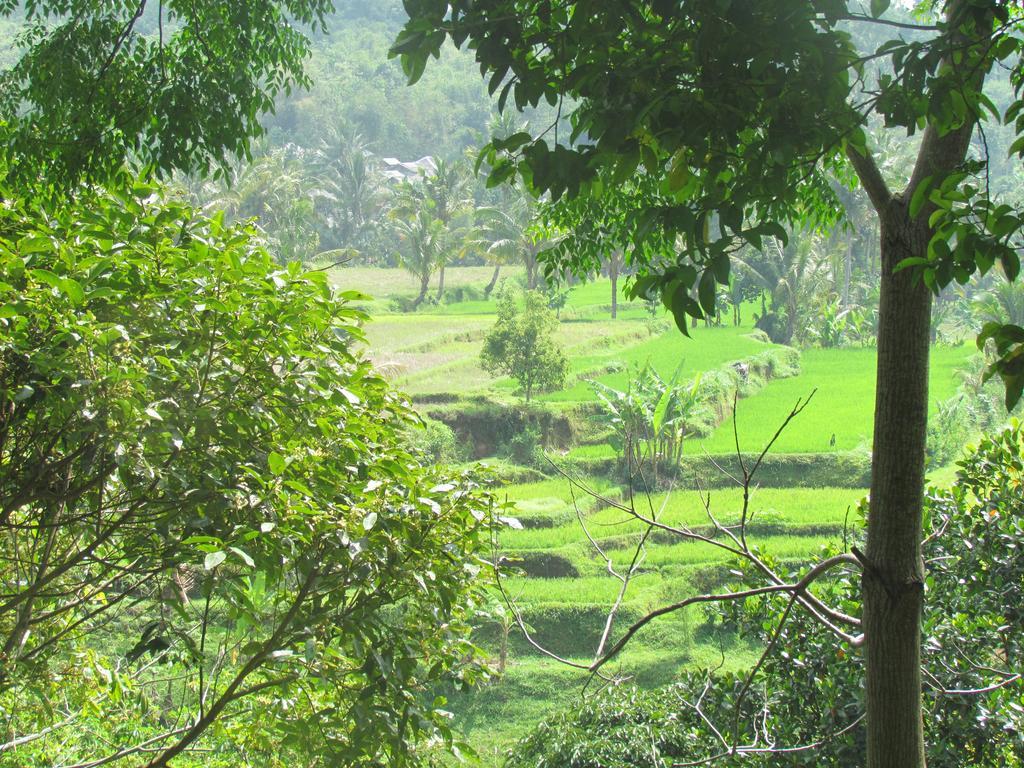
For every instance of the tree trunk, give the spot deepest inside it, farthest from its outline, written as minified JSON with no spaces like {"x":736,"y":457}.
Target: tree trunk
{"x":424,"y":286}
{"x":530,"y":260}
{"x":613,"y":273}
{"x":494,"y":281}
{"x":503,"y":649}
{"x":847,"y":273}
{"x":440,"y":284}
{"x":893,"y":581}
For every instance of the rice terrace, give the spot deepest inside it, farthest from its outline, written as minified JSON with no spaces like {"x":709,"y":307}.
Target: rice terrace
{"x":817,"y":474}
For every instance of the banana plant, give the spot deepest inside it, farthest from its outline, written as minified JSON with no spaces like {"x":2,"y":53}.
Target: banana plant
{"x":651,"y":418}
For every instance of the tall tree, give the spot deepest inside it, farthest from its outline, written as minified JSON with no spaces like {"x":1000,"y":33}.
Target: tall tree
{"x":178,"y":409}
{"x":175,"y":85}
{"x":506,"y":233}
{"x":352,"y":196}
{"x":741,"y":110}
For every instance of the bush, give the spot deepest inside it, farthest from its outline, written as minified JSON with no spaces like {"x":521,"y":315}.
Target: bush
{"x":487,"y":429}
{"x":460,"y":293}
{"x":435,"y":443}
{"x":408,"y":303}
{"x":525,"y":448}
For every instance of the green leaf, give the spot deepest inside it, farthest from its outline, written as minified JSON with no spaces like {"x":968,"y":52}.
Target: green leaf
{"x":243,"y":556}
{"x":73,"y":289}
{"x":878,"y":7}
{"x":920,"y":196}
{"x":678,"y":308}
{"x":912,"y":261}
{"x":45,"y":276}
{"x":213,"y":559}
{"x":706,"y":292}
{"x":276,"y":464}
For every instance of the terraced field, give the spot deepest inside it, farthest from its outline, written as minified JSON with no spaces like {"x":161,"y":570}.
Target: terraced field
{"x":566,"y":539}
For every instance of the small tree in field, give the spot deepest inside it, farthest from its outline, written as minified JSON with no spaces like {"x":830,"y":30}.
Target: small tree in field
{"x":521,"y":344}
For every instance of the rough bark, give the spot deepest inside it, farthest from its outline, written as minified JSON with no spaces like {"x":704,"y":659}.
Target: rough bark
{"x":893,"y":582}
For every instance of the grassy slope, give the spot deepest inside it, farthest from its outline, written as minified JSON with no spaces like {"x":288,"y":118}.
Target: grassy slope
{"x":709,"y":348}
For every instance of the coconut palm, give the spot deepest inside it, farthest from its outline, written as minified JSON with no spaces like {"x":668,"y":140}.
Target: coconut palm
{"x":352,"y":195}
{"x":275,"y":191}
{"x":422,"y":243}
{"x":1003,"y":303}
{"x":443,"y":195}
{"x":506,"y":234}
{"x":791,"y":276}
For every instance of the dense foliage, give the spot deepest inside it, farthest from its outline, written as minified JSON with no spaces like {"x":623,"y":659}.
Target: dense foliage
{"x":210,"y":535}
{"x":179,"y":85}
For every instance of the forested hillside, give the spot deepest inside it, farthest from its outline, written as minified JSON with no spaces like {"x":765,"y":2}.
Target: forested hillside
{"x":358,"y":90}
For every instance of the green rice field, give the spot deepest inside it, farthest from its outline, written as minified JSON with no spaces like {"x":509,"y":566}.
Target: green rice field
{"x":557,"y":568}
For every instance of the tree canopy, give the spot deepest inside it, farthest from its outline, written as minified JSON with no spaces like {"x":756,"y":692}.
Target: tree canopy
{"x":178,"y":85}
{"x":210,"y":535}
{"x":521,"y":343}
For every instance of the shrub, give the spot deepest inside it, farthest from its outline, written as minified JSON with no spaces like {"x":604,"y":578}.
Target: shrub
{"x":460,"y":293}
{"x":435,"y":443}
{"x":521,"y":344}
{"x":524,"y":447}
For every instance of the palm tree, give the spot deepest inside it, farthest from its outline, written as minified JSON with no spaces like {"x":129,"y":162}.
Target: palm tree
{"x":277,"y":194}
{"x":508,"y":233}
{"x":1003,"y":303}
{"x":791,"y":276}
{"x":494,"y":239}
{"x":422,"y":241}
{"x":444,"y":196}
{"x":351,"y":189}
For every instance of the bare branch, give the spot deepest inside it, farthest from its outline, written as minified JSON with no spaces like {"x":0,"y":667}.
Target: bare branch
{"x":797,"y":588}
{"x":28,"y":738}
